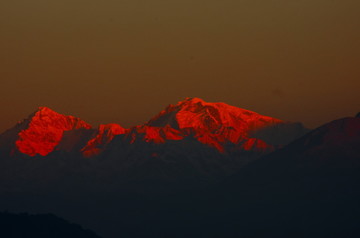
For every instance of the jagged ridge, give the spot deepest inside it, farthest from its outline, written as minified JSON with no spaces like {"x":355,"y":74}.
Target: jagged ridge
{"x":215,"y":124}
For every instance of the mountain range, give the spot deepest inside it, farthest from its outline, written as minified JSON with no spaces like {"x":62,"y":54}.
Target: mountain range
{"x":196,"y":169}
{"x":227,"y":129}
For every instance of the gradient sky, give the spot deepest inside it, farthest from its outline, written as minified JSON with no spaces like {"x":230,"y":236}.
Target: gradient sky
{"x":123,"y":61}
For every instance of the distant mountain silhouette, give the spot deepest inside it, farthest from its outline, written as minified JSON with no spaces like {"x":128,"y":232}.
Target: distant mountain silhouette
{"x":40,"y":226}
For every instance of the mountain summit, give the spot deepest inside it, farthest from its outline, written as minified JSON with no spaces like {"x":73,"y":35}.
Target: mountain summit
{"x":42,"y":131}
{"x":218,"y":124}
{"x":210,"y":117}
{"x":45,"y":130}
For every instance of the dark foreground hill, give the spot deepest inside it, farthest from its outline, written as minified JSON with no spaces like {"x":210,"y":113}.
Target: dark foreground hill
{"x":40,"y":226}
{"x":310,"y":188}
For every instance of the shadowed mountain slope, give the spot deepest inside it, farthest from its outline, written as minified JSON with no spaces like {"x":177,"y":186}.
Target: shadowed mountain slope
{"x":310,"y":188}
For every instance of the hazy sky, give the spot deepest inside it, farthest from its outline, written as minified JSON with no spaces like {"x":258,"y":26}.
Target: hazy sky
{"x":124,"y":60}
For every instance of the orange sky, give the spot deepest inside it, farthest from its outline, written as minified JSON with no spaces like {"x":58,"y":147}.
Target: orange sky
{"x":124,"y":61}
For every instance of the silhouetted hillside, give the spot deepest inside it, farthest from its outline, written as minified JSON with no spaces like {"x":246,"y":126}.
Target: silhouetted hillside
{"x":40,"y":226}
{"x":310,"y":188}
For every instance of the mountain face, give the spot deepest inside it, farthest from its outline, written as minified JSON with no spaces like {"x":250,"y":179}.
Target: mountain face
{"x":216,"y":125}
{"x":41,"y":132}
{"x":201,"y":116}
{"x":104,"y":135}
